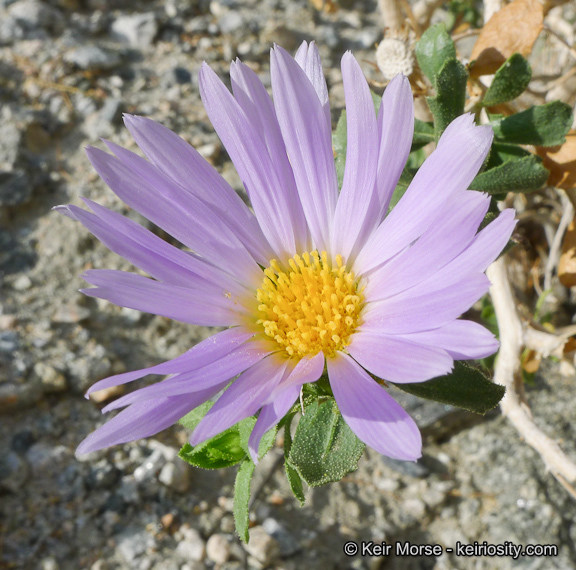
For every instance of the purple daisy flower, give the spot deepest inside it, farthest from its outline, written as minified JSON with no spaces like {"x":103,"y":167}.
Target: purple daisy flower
{"x":312,"y":278}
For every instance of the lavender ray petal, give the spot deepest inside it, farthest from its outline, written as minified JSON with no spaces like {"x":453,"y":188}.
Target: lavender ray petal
{"x":473,"y":260}
{"x":394,"y":358}
{"x":152,"y":254}
{"x":274,"y":200}
{"x":462,"y":340}
{"x":450,"y":168}
{"x":308,"y":369}
{"x":361,"y":160}
{"x":179,"y":303}
{"x":486,"y":246}
{"x":199,"y":356}
{"x":256,"y":103}
{"x":450,"y":233}
{"x":372,"y":414}
{"x":186,"y":166}
{"x":188,"y":260}
{"x":188,"y":219}
{"x":269,"y":416}
{"x":219,"y":372}
{"x":242,"y":399}
{"x":396,"y":129}
{"x":308,"y":58}
{"x":420,"y":308}
{"x":308,"y":142}
{"x":142,"y":420}
{"x":463,"y":269}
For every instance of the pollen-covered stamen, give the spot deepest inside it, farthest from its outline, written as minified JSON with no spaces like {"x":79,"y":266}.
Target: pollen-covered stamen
{"x":311,"y":305}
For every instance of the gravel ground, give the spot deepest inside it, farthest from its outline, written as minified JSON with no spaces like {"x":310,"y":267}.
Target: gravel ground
{"x":68,"y":69}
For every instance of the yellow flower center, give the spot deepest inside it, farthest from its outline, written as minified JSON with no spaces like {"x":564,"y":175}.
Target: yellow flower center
{"x":313,"y":306}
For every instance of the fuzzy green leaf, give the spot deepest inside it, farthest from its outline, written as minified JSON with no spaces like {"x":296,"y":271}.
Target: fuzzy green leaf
{"x":433,"y":50}
{"x":450,"y":95}
{"x":405,"y":179}
{"x":466,"y":387}
{"x":193,"y":418}
{"x":294,"y":480}
{"x":242,"y":498}
{"x":502,"y":152}
{"x":245,"y":428}
{"x":423,"y":134}
{"x":542,"y":125}
{"x":223,"y":450}
{"x":324,"y":448}
{"x":340,"y":139}
{"x":339,"y":142}
{"x":510,"y":81}
{"x":523,"y":175}
{"x":377,"y":100}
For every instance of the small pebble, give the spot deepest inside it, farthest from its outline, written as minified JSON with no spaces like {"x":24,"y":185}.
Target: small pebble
{"x":15,"y":188}
{"x":92,"y":58}
{"x":218,"y":548}
{"x":262,"y":546}
{"x":176,"y":475}
{"x":192,"y":547}
{"x":138,"y":30}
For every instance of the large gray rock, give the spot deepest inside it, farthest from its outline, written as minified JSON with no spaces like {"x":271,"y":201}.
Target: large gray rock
{"x":92,"y":58}
{"x":10,"y":30}
{"x":137,"y":30}
{"x":9,"y":144}
{"x":15,"y":188}
{"x":33,"y":15}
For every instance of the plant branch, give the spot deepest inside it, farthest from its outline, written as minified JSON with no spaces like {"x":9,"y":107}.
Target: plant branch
{"x":507,"y":373}
{"x":556,"y":245}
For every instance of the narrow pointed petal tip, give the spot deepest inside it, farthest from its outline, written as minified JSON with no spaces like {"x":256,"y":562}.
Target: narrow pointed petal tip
{"x":64,"y":210}
{"x":480,"y":137}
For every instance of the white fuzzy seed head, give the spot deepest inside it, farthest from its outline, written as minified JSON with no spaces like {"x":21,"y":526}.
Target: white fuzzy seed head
{"x":395,"y":56}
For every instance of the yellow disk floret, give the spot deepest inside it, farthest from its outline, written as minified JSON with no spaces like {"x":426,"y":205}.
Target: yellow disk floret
{"x":311,"y":305}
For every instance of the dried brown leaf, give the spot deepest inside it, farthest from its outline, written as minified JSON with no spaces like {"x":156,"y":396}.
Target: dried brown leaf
{"x":570,"y":346}
{"x":326,"y":6}
{"x":561,"y":162}
{"x":567,"y":263}
{"x":531,"y":361}
{"x":513,"y":29}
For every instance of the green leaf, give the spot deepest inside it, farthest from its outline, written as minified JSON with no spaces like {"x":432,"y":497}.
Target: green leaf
{"x":324,"y":448}
{"x":450,"y":95}
{"x":423,"y":134}
{"x":434,"y":48}
{"x":294,"y":480}
{"x":377,"y":100}
{"x":245,"y":428}
{"x":502,"y":152}
{"x":466,"y":387}
{"x":242,"y":498}
{"x":510,"y":81}
{"x":405,"y":179}
{"x":542,"y":125}
{"x":193,"y":418}
{"x":523,"y":175}
{"x":415,"y":161}
{"x":339,"y":142}
{"x":223,"y":450}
